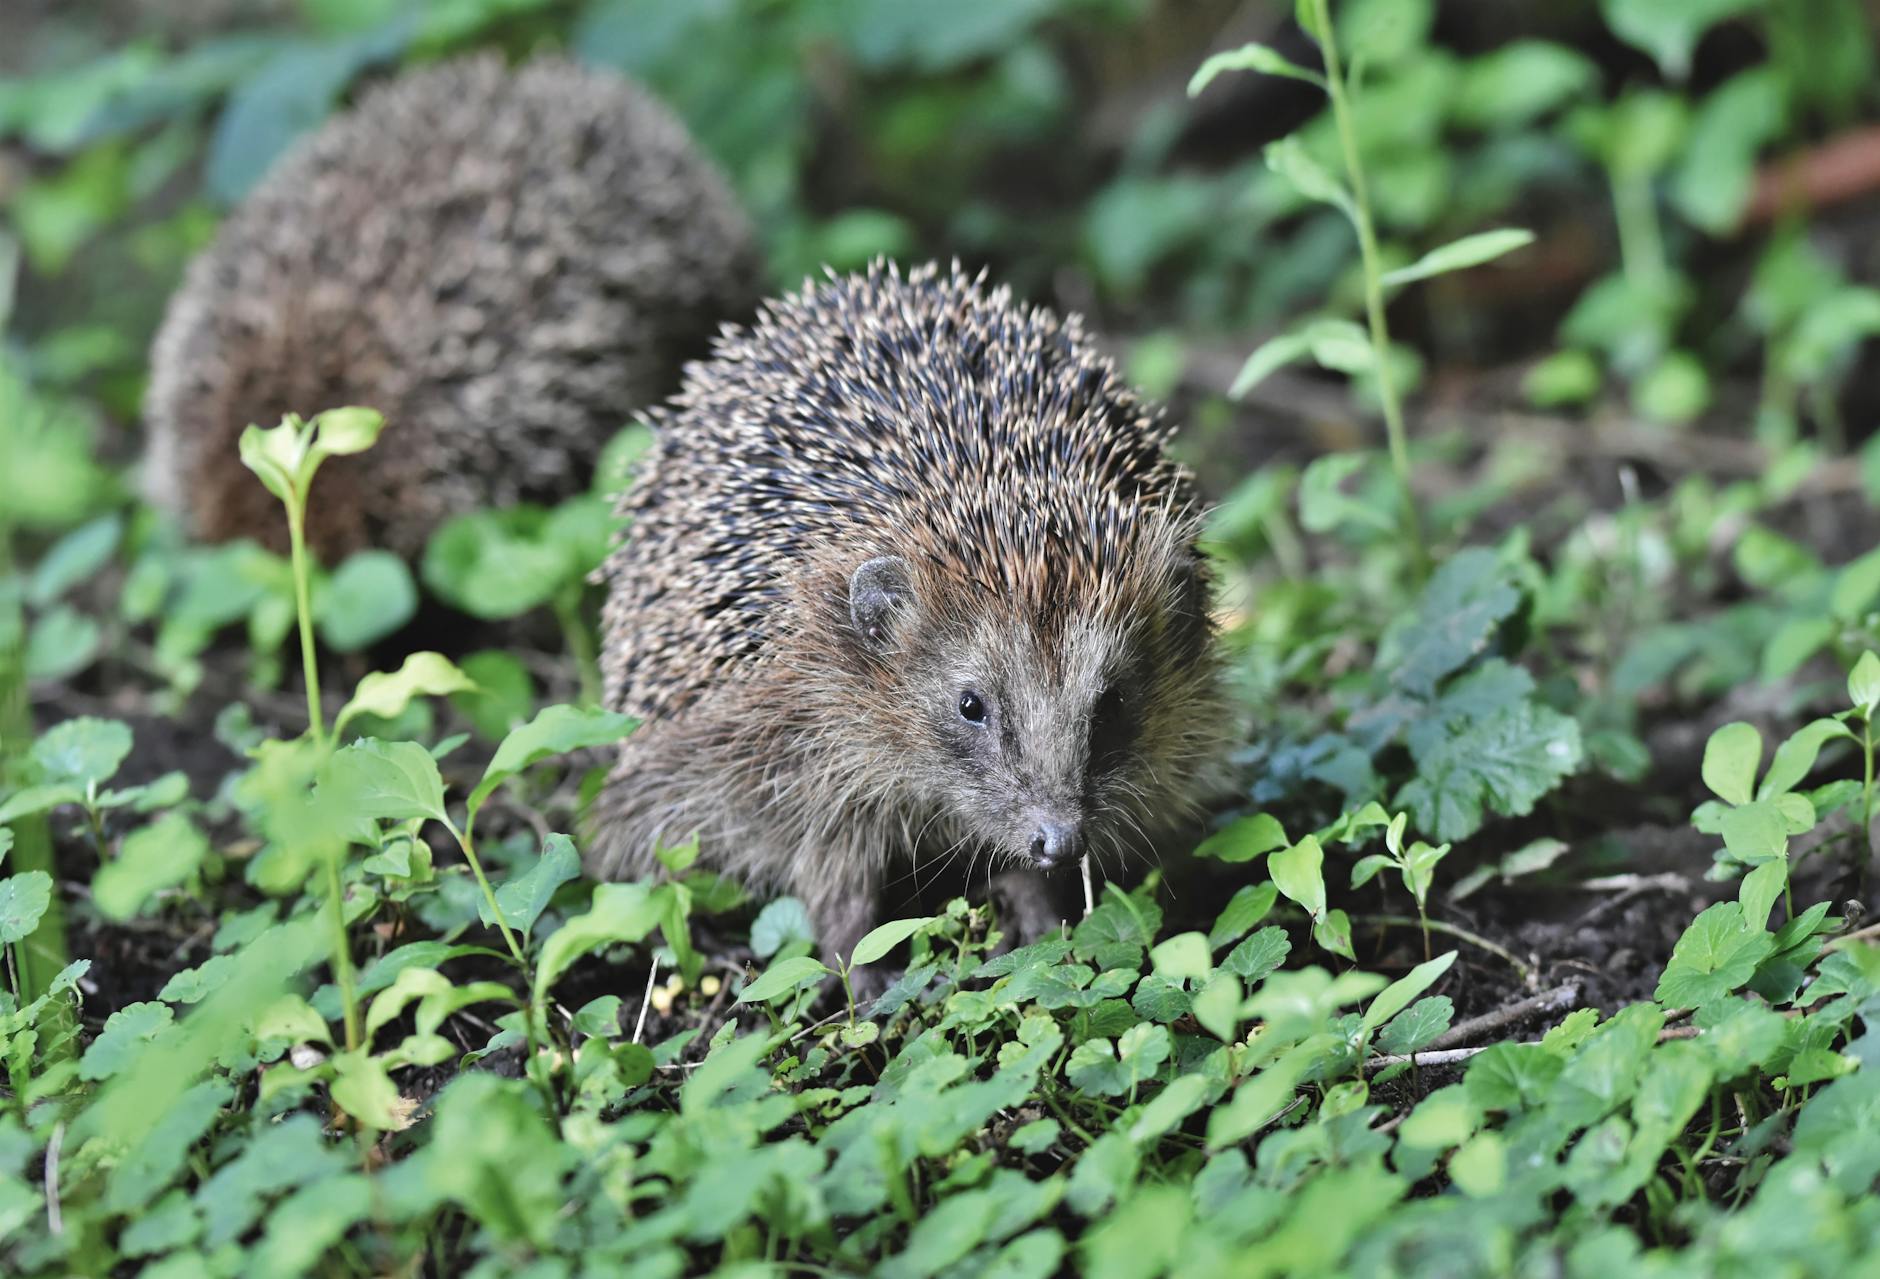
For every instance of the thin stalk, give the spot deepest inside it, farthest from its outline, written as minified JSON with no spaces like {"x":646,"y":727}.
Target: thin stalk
{"x":1373,"y":280}
{"x":580,"y":640}
{"x":303,"y":603}
{"x":1641,"y":247}
{"x":489,"y":895}
{"x":1460,"y":934}
{"x":1864,"y":849}
{"x":40,"y":956}
{"x":342,"y":955}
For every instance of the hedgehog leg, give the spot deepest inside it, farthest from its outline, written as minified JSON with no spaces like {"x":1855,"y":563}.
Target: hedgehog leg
{"x":1030,"y":905}
{"x":844,"y":908}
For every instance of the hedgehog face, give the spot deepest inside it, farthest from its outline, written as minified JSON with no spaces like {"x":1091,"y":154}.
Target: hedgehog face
{"x":1040,"y":741}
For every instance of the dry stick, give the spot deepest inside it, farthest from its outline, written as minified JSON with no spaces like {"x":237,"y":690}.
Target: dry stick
{"x":1859,"y":934}
{"x":1560,"y":997}
{"x":1629,"y":887}
{"x":55,"y":1217}
{"x":651,"y":975}
{"x":1449,"y":1056}
{"x":1090,"y":900}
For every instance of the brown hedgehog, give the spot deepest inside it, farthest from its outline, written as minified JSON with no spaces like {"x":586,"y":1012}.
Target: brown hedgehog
{"x":909,"y":579}
{"x":507,"y":264}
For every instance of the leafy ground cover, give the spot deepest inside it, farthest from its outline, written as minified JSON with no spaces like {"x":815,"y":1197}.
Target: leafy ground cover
{"x":1534,"y":938}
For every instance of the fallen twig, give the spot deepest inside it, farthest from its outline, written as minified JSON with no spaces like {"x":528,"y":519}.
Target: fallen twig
{"x":1555,"y":1000}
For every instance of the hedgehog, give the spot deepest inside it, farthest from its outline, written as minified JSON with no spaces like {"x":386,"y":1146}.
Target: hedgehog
{"x":909,"y":580}
{"x":508,"y":264}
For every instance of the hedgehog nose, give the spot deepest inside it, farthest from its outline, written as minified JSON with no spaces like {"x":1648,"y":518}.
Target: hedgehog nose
{"x":1056,"y":842}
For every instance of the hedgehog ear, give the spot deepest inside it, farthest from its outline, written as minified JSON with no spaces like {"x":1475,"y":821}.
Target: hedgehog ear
{"x":878,"y":589}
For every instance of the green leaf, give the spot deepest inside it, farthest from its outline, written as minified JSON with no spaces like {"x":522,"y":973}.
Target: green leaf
{"x":369,"y":597}
{"x":75,"y":557}
{"x":1395,"y":997}
{"x":346,"y":430}
{"x":83,"y":751}
{"x":524,"y":897}
{"x":1730,"y":759}
{"x":886,"y":937}
{"x":363,"y":1090}
{"x":503,"y":696}
{"x":1755,"y":832}
{"x":1760,"y":889}
{"x":1416,"y":1026}
{"x":784,"y":977}
{"x":556,"y":730}
{"x":620,"y":913}
{"x":1459,"y":255}
{"x":1863,"y":684}
{"x":1243,"y":839}
{"x":1297,"y":873}
{"x":23,"y":899}
{"x":1333,"y":932}
{"x":1183,"y":957}
{"x":1259,"y":954}
{"x":1507,"y":762}
{"x":386,"y":695}
{"x":783,"y":920}
{"x":1217,"y":1005}
{"x":276,"y":455}
{"x":1323,"y":504}
{"x":1717,"y":954}
{"x":161,"y":855}
{"x":1668,"y":30}
{"x":1247,"y":907}
{"x":1289,"y":158}
{"x":61,"y":643}
{"x":495,"y":564}
{"x":1457,"y":615}
{"x":390,"y":781}
{"x":123,"y":1038}
{"x":1273,"y":354}
{"x":1249,"y":57}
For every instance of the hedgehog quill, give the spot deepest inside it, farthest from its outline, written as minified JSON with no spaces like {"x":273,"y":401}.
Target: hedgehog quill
{"x":910,"y":583}
{"x":507,"y":264}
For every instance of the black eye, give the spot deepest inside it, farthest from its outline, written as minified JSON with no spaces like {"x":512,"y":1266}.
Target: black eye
{"x":972,"y":709}
{"x":1109,"y":727}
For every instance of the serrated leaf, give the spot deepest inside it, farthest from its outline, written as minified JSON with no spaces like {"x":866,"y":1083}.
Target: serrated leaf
{"x":83,"y":751}
{"x":1717,"y":954}
{"x":1259,"y":954}
{"x":1456,"y":616}
{"x":555,"y":730}
{"x":1459,"y":255}
{"x":781,"y":921}
{"x":1249,"y":57}
{"x":122,"y":1040}
{"x":783,"y":978}
{"x":1416,"y":1026}
{"x":23,"y":900}
{"x":1507,"y":761}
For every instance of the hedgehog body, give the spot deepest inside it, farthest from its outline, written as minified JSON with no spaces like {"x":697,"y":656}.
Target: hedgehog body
{"x":909,"y":579}
{"x":507,"y":264}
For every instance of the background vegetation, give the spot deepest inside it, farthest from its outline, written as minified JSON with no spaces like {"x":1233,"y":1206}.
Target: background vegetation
{"x":1522,"y":349}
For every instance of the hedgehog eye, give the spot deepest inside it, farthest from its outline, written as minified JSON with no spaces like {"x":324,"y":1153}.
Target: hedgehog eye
{"x":1109,"y":727}
{"x":972,"y":708}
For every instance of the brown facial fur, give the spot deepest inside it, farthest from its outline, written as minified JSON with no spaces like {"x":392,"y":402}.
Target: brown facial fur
{"x":1039,"y":552}
{"x":507,"y":264}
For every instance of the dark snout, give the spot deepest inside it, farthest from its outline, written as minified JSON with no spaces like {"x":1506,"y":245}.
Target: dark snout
{"x":1057,"y":843}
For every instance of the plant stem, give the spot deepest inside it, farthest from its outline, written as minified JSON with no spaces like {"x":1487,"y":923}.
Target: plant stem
{"x":1373,"y":281}
{"x":342,"y":954}
{"x":580,"y":640}
{"x":1460,"y":934}
{"x":1864,"y":848}
{"x":41,"y":955}
{"x":303,"y":605}
{"x":489,"y":895}
{"x":1641,"y":248}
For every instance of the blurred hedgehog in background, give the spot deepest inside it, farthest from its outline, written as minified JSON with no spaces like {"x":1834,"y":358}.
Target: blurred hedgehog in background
{"x":508,"y":264}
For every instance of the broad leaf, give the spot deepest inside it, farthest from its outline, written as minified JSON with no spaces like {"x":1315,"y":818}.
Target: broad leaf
{"x":386,"y":694}
{"x":1249,"y":57}
{"x":1458,"y":255}
{"x":556,"y":730}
